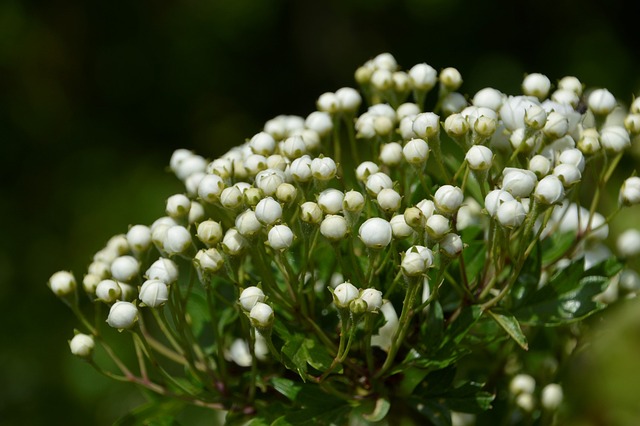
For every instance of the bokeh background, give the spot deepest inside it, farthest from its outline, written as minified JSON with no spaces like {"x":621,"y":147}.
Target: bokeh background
{"x":94,"y":97}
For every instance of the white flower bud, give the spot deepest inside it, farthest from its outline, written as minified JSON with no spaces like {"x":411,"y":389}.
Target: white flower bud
{"x":456,"y":125}
{"x":437,"y":226}
{"x":222,"y":167}
{"x":177,"y":157}
{"x":254,"y":164}
{"x":572,"y":156}
{"x":511,"y":214}
{"x":565,"y":97}
{"x":513,"y":110}
{"x":391,"y":154}
{"x":310,"y":212}
{"x":535,"y":117}
{"x":300,"y":169}
{"x":629,"y":280}
{"x":557,"y":125}
{"x":448,"y":199}
{"x":426,"y":125}
{"x":90,"y":283}
{"x":164,"y":270}
{"x":401,"y":82}
{"x":101,"y":269}
{"x":286,"y":193}
{"x":413,"y":263}
{"x":518,"y":182}
{"x":366,"y":169}
{"x":615,"y":138}
{"x":231,"y":197}
{"x":377,"y":182}
{"x":382,"y":79}
{"x":382,"y":125}
{"x":108,"y":291}
{"x":416,"y":152}
{"x":82,"y":345}
{"x":537,"y":85}
{"x":373,"y":298}
{"x":349,"y":99}
{"x":405,"y":128}
{"x":330,"y":201}
{"x":268,"y":211}
{"x":423,"y":77}
{"x":268,"y":181}
{"x":479,"y":158}
{"x":178,"y":206}
{"x":568,"y":174}
{"x":250,"y":296}
{"x":549,"y":190}
{"x":399,"y":227}
{"x":261,"y":315}
{"x":601,"y":102}
{"x":489,"y":98}
{"x":210,"y":188}
{"x":280,"y":237}
{"x":62,"y":283}
{"x":389,"y":200}
{"x":209,"y":232}
{"x":452,"y":103}
{"x":407,"y":109}
{"x":628,"y":243}
{"x":192,"y":182}
{"x":375,"y":233}
{"x":630,"y":191}
{"x":209,"y":260}
{"x":190,"y":165}
{"x":239,"y":353}
{"x":323,"y":168}
{"x":526,"y":402}
{"x":122,"y":315}
{"x":520,"y":141}
{"x":522,"y":383}
{"x":494,"y":199}
{"x":328,"y":102}
{"x":343,"y":294}
{"x":177,"y":240}
{"x":353,"y":201}
{"x":451,"y":245}
{"x":293,"y":147}
{"x":632,"y":123}
{"x":414,"y":217}
{"x":262,"y":143}
{"x":334,"y":227}
{"x":139,"y":238}
{"x":589,"y":142}
{"x":551,"y":396}
{"x":427,"y":207}
{"x":485,"y":126}
{"x":125,"y":268}
{"x":571,"y":84}
{"x":154,"y":293}
{"x":451,"y":78}
{"x":540,"y":165}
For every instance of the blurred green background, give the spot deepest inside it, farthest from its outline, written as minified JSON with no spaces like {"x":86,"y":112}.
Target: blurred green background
{"x":94,"y":97}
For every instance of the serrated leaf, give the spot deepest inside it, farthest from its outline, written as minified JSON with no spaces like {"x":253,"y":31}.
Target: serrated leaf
{"x":510,"y":324}
{"x":379,"y":411}
{"x":555,"y":247}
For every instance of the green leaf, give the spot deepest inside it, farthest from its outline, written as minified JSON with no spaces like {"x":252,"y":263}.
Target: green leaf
{"x":474,"y":258}
{"x":437,"y":413}
{"x":379,"y":411}
{"x":161,"y":413}
{"x":528,"y":278}
{"x":607,"y":268}
{"x":286,"y":387}
{"x":468,"y":398}
{"x":555,"y":247}
{"x":509,"y":323}
{"x":299,"y":352}
{"x":316,"y":408}
{"x":198,"y":313}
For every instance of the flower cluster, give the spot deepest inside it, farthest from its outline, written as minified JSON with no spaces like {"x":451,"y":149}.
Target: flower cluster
{"x":367,"y":253}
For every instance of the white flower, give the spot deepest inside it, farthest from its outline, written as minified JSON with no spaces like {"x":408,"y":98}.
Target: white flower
{"x":280,"y":237}
{"x":572,"y":156}
{"x":344,"y":293}
{"x":535,"y":117}
{"x":261,"y":315}
{"x":518,"y":182}
{"x":125,"y":268}
{"x":452,"y":103}
{"x":376,"y":182}
{"x":233,"y":242}
{"x":209,"y":232}
{"x":210,"y":188}
{"x":62,"y":283}
{"x":90,"y":283}
{"x":154,"y":293}
{"x":489,"y":98}
{"x":451,"y":245}
{"x":494,"y":199}
{"x":513,"y":109}
{"x":366,"y":169}
{"x":268,"y":211}
{"x":551,"y":396}
{"x":601,"y":102}
{"x":526,"y":402}
{"x":630,"y":191}
{"x":331,"y":200}
{"x":479,"y":158}
{"x":177,"y":240}
{"x":628,"y":243}
{"x":108,"y":291}
{"x":286,"y":193}
{"x":122,"y":315}
{"x":540,"y":165}
{"x":189,"y":165}
{"x":511,"y":214}
{"x":423,"y":77}
{"x":373,"y":298}
{"x":522,"y":383}
{"x":537,"y":85}
{"x":450,"y":78}
{"x":209,"y":260}
{"x":82,"y":345}
{"x":589,"y":142}
{"x":375,"y":233}
{"x":615,"y":138}
{"x":437,"y":226}
{"x":250,"y":296}
{"x":427,"y":207}
{"x":164,"y":270}
{"x":448,"y":199}
{"x":328,"y":102}
{"x":391,"y":154}
{"x":407,"y":109}
{"x":247,"y":223}
{"x":382,"y":79}
{"x":549,"y":190}
{"x":323,"y":168}
{"x":178,"y":206}
{"x":310,"y":212}
{"x":426,"y":125}
{"x":389,"y":200}
{"x":632,"y":123}
{"x":334,"y":227}
{"x":139,"y":238}
{"x":239,"y":353}
{"x":399,"y":227}
{"x":386,"y":333}
{"x":262,"y":143}
{"x":568,"y":174}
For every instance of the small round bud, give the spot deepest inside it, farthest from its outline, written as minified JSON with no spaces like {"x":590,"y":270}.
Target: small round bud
{"x":300,"y":169}
{"x":479,"y":158}
{"x":565,"y":97}
{"x":525,"y":401}
{"x":557,"y":125}
{"x":413,"y":264}
{"x":589,"y":142}
{"x":485,"y":126}
{"x":630,"y":191}
{"x":628,"y":243}
{"x":513,"y":110}
{"x":268,"y":211}
{"x":177,"y":240}
{"x":310,"y":212}
{"x":375,"y":233}
{"x":233,"y":242}
{"x":549,"y":190}
{"x":568,"y":174}
{"x":334,"y":227}
{"x":495,"y":199}
{"x":571,"y":84}
{"x":382,"y":125}
{"x":389,"y":200}
{"x":358,"y":306}
{"x":522,"y":383}
{"x":366,"y":169}
{"x":382,"y":79}
{"x":90,"y":283}
{"x":601,"y":102}
{"x":209,"y":260}
{"x":416,"y":152}
{"x":511,"y":214}
{"x":426,"y":125}
{"x":62,"y":283}
{"x":615,"y":138}
{"x":262,"y":143}
{"x":377,"y":182}
{"x":437,"y":226}
{"x":343,"y":294}
{"x":427,"y":207}
{"x":82,"y":345}
{"x":414,"y":217}
{"x":268,"y":181}
{"x":423,"y":77}
{"x":252,"y":196}
{"x":373,"y":298}
{"x":456,"y":126}
{"x":540,"y":165}
{"x":451,"y":78}
{"x":222,"y":167}
{"x":391,"y":154}
{"x":353,"y":201}
{"x":448,"y":199}
{"x":253,"y":164}
{"x":125,"y":268}
{"x":518,"y":182}
{"x":488,"y":98}
{"x":178,"y":206}
{"x":293,"y":147}
{"x":399,"y":227}
{"x":330,"y":201}
{"x":349,"y":99}
{"x":164,"y":270}
{"x":535,"y":117}
{"x":122,"y":315}
{"x":250,"y":296}
{"x":323,"y":168}
{"x":231,"y":197}
{"x":572,"y":156}
{"x":139,"y":238}
{"x":551,"y":396}
{"x":261,"y":315}
{"x":154,"y":293}
{"x":108,"y":291}
{"x":451,"y":245}
{"x":247,"y":223}
{"x":209,"y":232}
{"x":401,"y":82}
{"x":189,"y":165}
{"x":280,"y":237}
{"x":632,"y":123}
{"x":452,"y":103}
{"x":537,"y":85}
{"x":210,"y":188}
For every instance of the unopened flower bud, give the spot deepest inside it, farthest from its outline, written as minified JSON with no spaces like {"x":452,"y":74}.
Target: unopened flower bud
{"x":448,"y":199}
{"x":343,"y":294}
{"x":535,"y":117}
{"x":615,"y":138}
{"x":426,"y":125}
{"x":375,"y":233}
{"x":323,"y":168}
{"x":250,"y":296}
{"x":82,"y":345}
{"x":537,"y":85}
{"x":413,"y":264}
{"x":262,"y":143}
{"x":382,"y":79}
{"x":518,"y":182}
{"x":334,"y":227}
{"x":479,"y":158}
{"x":423,"y":77}
{"x":154,"y":293}
{"x":628,"y":243}
{"x":552,"y":396}
{"x":571,"y":84}
{"x":353,"y":201}
{"x":540,"y":165}
{"x":293,"y":147}
{"x":268,"y":211}
{"x":451,"y":245}
{"x":572,"y":156}
{"x":451,"y":78}
{"x":358,"y":306}
{"x":247,"y":223}
{"x":399,"y":227}
{"x":108,"y":291}
{"x":122,"y":315}
{"x":280,"y":237}
{"x":377,"y":182}
{"x":525,"y":401}
{"x":511,"y":214}
{"x":522,"y":383}
{"x":488,"y":98}
{"x":632,"y":123}
{"x":485,"y":126}
{"x":568,"y":174}
{"x":330,"y":201}
{"x":300,"y":169}
{"x":125,"y":268}
{"x":495,"y":199}
{"x":139,"y":238}
{"x":601,"y":102}
{"x":589,"y":142}
{"x":328,"y":102}
{"x":437,"y":226}
{"x":209,"y":232}
{"x":456,"y":125}
{"x":373,"y":298}
{"x":177,"y":240}
{"x":210,"y":188}
{"x":252,"y":196}
{"x":349,"y":99}
{"x":366,"y":169}
{"x":391,"y":154}
{"x":557,"y":125}
{"x":90,"y":283}
{"x":630,"y":191}
{"x":389,"y":200}
{"x":310,"y":212}
{"x":261,"y":316}
{"x":416,"y":152}
{"x":209,"y":260}
{"x":382,"y":125}
{"x":62,"y":283}
{"x":549,"y":190}
{"x":452,"y":103}
{"x":178,"y":206}
{"x":414,"y":217}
